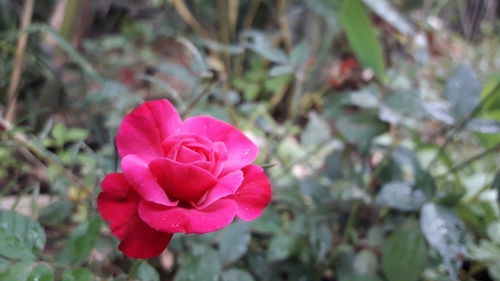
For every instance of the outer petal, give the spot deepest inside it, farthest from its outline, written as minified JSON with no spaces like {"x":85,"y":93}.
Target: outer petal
{"x":185,"y":182}
{"x":188,"y":220}
{"x":241,"y":151}
{"x":254,"y":193}
{"x":118,"y":203}
{"x":226,"y":185}
{"x":137,"y":172}
{"x":142,"y":242}
{"x":143,"y":130}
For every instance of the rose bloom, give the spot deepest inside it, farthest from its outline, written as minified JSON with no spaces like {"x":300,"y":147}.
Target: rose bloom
{"x":193,"y":177}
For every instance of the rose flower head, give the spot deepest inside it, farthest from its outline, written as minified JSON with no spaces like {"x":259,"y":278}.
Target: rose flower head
{"x":191,"y":176}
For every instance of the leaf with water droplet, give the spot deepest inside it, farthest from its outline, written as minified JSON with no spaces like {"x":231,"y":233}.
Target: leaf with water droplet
{"x":445,"y":232}
{"x":20,"y":236}
{"x":463,"y":91}
{"x":401,"y":196}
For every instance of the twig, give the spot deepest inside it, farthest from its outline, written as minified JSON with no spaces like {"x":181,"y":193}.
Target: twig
{"x":186,"y":15}
{"x":471,"y":160}
{"x":460,"y":125}
{"x":190,"y":106}
{"x":18,"y":61}
{"x":37,"y":152}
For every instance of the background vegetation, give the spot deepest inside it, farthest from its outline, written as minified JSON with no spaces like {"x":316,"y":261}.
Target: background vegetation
{"x":378,"y":123}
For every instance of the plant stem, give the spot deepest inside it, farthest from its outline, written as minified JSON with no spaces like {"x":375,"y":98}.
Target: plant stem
{"x":471,"y":160}
{"x":460,"y":125}
{"x":18,"y":61}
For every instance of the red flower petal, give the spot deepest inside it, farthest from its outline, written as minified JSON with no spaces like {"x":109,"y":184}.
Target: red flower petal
{"x":142,"y":242}
{"x":118,"y":203}
{"x":241,"y":151}
{"x":144,"y":129}
{"x":137,"y":172}
{"x":188,"y":220}
{"x":254,"y":193}
{"x":185,"y":182}
{"x":226,"y":185}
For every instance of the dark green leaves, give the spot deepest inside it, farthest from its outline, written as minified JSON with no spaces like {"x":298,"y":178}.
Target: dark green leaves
{"x":360,"y":128}
{"x":81,"y":241}
{"x":444,"y":231}
{"x":401,"y":196}
{"x":462,"y":90}
{"x":203,"y":264}
{"x":20,"y":237}
{"x":362,"y":36}
{"x":234,"y":241}
{"x":404,"y":256}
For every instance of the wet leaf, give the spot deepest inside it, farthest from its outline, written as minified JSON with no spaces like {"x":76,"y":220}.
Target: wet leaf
{"x":20,"y":237}
{"x":205,"y":264}
{"x":401,"y":196}
{"x":463,"y":91}
{"x":444,"y":231}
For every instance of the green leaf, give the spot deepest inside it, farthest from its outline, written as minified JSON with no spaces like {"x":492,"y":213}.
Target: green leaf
{"x":269,"y":222}
{"x":404,"y":256}
{"x":20,"y":237}
{"x":262,"y":45}
{"x":360,"y":277}
{"x":17,"y":272}
{"x":362,"y":36}
{"x":401,"y":196}
{"x":235,"y":274}
{"x":360,"y":128}
{"x":145,"y":272}
{"x":41,"y":273}
{"x":204,"y":265}
{"x":444,"y":231}
{"x":281,"y":246}
{"x":463,"y":91}
{"x":316,"y":132}
{"x":365,"y":262}
{"x":81,"y":241}
{"x":234,"y":241}
{"x":56,"y":212}
{"x":77,"y":274}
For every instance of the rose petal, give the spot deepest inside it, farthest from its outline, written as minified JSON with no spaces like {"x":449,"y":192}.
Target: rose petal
{"x":186,"y":155}
{"x":183,"y":181}
{"x":241,"y":151}
{"x":188,"y":220}
{"x":117,"y":202}
{"x":254,"y":193}
{"x":137,"y":173}
{"x":143,"y":130}
{"x":226,"y":185}
{"x":142,"y":242}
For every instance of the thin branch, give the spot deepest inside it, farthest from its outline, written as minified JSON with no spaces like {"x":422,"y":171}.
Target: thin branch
{"x":18,"y":61}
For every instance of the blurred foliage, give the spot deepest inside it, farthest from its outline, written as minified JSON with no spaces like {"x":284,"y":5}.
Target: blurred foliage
{"x":378,"y":123}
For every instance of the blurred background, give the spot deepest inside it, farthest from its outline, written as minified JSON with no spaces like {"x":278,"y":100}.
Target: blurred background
{"x":378,"y":123}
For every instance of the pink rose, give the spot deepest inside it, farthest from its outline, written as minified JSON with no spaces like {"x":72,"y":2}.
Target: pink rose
{"x":193,"y":177}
